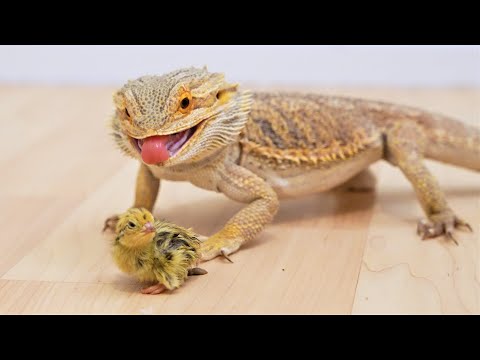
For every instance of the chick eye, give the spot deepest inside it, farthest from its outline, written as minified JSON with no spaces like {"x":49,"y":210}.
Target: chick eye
{"x":185,"y":102}
{"x":131,"y":224}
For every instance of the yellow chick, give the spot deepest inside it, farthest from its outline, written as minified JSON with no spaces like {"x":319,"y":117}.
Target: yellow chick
{"x":155,"y":251}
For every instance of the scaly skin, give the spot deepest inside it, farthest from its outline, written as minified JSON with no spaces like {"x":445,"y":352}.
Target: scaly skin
{"x":259,"y":147}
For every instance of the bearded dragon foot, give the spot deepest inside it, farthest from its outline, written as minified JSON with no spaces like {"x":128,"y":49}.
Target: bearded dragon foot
{"x":441,"y":224}
{"x":215,"y":246}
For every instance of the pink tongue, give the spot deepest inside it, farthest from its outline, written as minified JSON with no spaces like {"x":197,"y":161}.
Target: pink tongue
{"x":154,"y":149}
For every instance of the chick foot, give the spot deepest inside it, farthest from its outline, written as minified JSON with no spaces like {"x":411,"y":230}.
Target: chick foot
{"x":154,"y":289}
{"x":441,"y":224}
{"x":110,"y":223}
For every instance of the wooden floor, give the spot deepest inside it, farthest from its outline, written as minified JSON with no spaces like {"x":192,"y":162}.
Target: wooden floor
{"x":61,"y":177}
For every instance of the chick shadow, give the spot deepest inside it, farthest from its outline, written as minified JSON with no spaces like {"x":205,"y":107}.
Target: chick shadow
{"x":124,"y":283}
{"x":128,"y":285}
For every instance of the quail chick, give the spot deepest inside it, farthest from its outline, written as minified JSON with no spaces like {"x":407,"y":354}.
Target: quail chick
{"x":155,"y":251}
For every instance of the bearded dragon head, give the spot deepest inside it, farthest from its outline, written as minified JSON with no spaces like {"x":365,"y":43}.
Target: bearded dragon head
{"x":178,"y":118}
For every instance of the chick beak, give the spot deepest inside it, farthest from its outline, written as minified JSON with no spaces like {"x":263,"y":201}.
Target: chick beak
{"x":148,"y":228}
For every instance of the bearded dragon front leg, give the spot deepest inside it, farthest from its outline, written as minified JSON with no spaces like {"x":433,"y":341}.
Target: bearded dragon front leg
{"x":146,"y":192}
{"x":404,"y":147}
{"x":241,"y":185}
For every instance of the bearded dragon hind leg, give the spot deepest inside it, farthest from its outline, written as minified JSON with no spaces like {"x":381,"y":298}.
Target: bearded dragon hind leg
{"x":404,"y":148}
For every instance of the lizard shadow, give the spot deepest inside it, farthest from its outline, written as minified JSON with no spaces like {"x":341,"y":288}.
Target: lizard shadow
{"x":208,"y":216}
{"x":207,"y":219}
{"x":393,"y":202}
{"x":323,"y":205}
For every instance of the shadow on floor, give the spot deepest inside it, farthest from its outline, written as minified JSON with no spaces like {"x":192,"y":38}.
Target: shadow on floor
{"x":204,"y":218}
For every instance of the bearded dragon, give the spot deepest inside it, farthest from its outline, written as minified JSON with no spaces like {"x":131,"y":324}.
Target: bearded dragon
{"x":259,"y":147}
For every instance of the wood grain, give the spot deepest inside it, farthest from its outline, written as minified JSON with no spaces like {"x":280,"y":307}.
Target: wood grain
{"x":329,"y":253}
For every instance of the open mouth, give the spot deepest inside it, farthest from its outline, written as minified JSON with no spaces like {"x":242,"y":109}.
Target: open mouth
{"x":159,"y":148}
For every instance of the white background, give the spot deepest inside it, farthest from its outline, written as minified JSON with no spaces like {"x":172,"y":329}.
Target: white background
{"x":406,"y":66}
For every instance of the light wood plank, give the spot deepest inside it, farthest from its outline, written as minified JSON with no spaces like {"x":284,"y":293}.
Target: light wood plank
{"x":402,"y":274}
{"x":328,"y":253}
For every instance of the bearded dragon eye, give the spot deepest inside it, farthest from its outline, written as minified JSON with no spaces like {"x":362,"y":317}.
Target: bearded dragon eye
{"x":184,"y":103}
{"x":126,"y":112}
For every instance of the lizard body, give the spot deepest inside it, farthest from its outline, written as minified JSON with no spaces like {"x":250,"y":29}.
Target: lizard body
{"x":257,"y":148}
